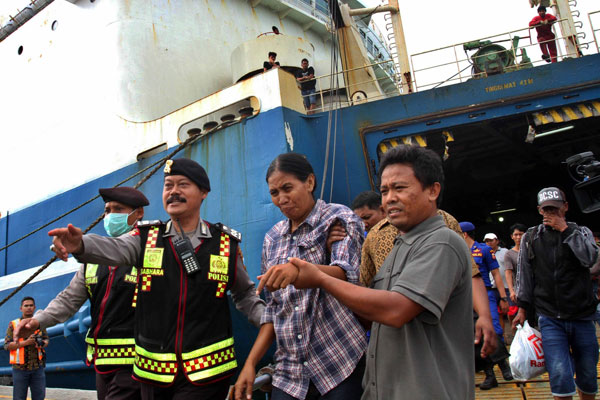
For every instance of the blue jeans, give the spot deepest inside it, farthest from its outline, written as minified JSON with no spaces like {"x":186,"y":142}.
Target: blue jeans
{"x":35,"y":380}
{"x":349,"y":389}
{"x":570,"y":348}
{"x":309,"y":97}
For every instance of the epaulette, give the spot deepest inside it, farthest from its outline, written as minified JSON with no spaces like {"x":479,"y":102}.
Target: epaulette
{"x":231,"y":232}
{"x":146,"y":224}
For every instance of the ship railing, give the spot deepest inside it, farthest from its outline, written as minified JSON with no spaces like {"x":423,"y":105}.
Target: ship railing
{"x":447,"y":65}
{"x":331,"y":95}
{"x":595,"y":31}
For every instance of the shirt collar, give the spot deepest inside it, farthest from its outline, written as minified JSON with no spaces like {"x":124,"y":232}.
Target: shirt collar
{"x":201,"y":232}
{"x":429,"y":225}
{"x":312,"y":220}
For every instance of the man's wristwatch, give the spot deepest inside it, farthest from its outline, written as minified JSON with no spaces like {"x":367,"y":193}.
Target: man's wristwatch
{"x":504,"y":298}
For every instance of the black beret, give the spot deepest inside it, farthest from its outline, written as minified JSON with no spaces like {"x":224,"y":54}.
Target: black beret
{"x":126,"y":195}
{"x":189,"y":168}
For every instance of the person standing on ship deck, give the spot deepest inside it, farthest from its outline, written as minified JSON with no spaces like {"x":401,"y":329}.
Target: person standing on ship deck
{"x":183,"y":332}
{"x":271,"y":63}
{"x":111,"y":291}
{"x":320,"y":343}
{"x":543,"y":25}
{"x":306,"y":78}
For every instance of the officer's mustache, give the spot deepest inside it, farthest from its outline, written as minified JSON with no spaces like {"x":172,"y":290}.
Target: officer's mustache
{"x":176,"y":197}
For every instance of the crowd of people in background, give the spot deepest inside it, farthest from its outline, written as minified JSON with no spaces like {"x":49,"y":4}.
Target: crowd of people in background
{"x":351,"y":295}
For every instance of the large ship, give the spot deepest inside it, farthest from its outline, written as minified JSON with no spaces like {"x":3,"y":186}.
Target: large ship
{"x":96,"y":93}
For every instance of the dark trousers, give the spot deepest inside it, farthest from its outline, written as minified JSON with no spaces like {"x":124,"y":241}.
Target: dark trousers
{"x":117,"y":385}
{"x":35,"y":380}
{"x":183,"y":389}
{"x":349,"y":389}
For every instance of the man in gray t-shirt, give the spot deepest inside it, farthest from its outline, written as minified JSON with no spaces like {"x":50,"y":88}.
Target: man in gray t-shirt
{"x":421,"y":344}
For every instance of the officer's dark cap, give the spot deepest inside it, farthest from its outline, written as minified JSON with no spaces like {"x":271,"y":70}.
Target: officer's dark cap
{"x":123,"y":194}
{"x":190,"y":169}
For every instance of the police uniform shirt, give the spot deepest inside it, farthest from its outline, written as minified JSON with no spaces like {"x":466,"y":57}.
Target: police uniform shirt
{"x":126,"y":249}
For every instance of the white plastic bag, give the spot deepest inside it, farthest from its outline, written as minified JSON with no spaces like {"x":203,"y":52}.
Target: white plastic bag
{"x":526,"y":353}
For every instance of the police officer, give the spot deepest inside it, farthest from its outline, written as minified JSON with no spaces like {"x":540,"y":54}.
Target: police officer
{"x":184,"y":338}
{"x":486,"y":261}
{"x":111,"y":290}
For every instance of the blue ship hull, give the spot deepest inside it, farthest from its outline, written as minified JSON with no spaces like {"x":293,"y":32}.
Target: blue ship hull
{"x":236,"y":159}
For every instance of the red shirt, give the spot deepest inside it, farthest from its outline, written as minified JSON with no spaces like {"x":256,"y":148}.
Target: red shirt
{"x":544,"y":31}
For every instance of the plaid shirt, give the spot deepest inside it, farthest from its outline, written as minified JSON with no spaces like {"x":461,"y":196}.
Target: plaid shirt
{"x":318,"y":339}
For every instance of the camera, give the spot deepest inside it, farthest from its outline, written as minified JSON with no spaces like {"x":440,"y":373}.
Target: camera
{"x":585,"y":169}
{"x":39,"y":342}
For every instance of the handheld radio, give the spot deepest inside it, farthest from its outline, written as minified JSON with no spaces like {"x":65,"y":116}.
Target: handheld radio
{"x":185,"y":251}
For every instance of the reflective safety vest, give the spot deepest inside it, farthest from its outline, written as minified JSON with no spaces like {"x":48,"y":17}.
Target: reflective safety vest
{"x":17,"y":356}
{"x":111,"y":291}
{"x":183,"y":321}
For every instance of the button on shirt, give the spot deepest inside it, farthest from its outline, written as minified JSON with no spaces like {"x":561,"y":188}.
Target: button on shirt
{"x":318,"y":339}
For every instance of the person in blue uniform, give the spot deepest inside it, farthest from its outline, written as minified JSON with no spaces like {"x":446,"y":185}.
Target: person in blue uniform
{"x":486,"y":261}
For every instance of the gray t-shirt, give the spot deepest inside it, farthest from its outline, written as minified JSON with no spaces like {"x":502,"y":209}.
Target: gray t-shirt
{"x":430,"y":357}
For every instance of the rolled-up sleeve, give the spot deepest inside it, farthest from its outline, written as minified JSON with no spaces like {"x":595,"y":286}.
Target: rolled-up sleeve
{"x":346,"y":253}
{"x":268,"y":314}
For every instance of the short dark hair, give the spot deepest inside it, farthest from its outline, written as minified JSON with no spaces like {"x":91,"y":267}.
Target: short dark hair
{"x":294,"y":164}
{"x":518,"y":226}
{"x":28,"y":298}
{"x":426,"y":164}
{"x":541,"y":8}
{"x":470,"y":234}
{"x":369,"y":198}
{"x":272,"y":53}
{"x":304,"y":59}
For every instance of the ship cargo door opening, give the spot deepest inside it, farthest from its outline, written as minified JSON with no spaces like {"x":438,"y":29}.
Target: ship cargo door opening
{"x":493,"y":176}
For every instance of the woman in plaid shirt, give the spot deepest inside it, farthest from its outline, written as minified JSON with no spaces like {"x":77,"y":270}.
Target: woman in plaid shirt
{"x":320,"y":343}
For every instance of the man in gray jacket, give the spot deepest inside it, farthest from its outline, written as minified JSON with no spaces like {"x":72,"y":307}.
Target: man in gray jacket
{"x":554,"y":274}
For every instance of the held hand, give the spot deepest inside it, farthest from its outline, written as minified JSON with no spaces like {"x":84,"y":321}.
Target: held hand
{"x":484,"y":327}
{"x":66,"y":240}
{"x":277,"y":277}
{"x":309,"y":274}
{"x":26,"y":327}
{"x":29,"y":342}
{"x":336,"y":233}
{"x":243,"y":385}
{"x":513,"y":296}
{"x":520,"y":318}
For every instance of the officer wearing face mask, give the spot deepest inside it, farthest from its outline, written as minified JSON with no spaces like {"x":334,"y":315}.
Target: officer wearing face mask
{"x":112,"y":294}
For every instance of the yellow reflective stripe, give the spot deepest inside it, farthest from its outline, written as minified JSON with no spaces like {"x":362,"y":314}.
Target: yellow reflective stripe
{"x":91,"y":270}
{"x":90,"y":353}
{"x":555,"y":116}
{"x":570,"y":113}
{"x":154,"y":377}
{"x":110,"y":342}
{"x":156,"y":356}
{"x":208,"y":349}
{"x":585,"y":111}
{"x":207,"y":373}
{"x":114,"y":361}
